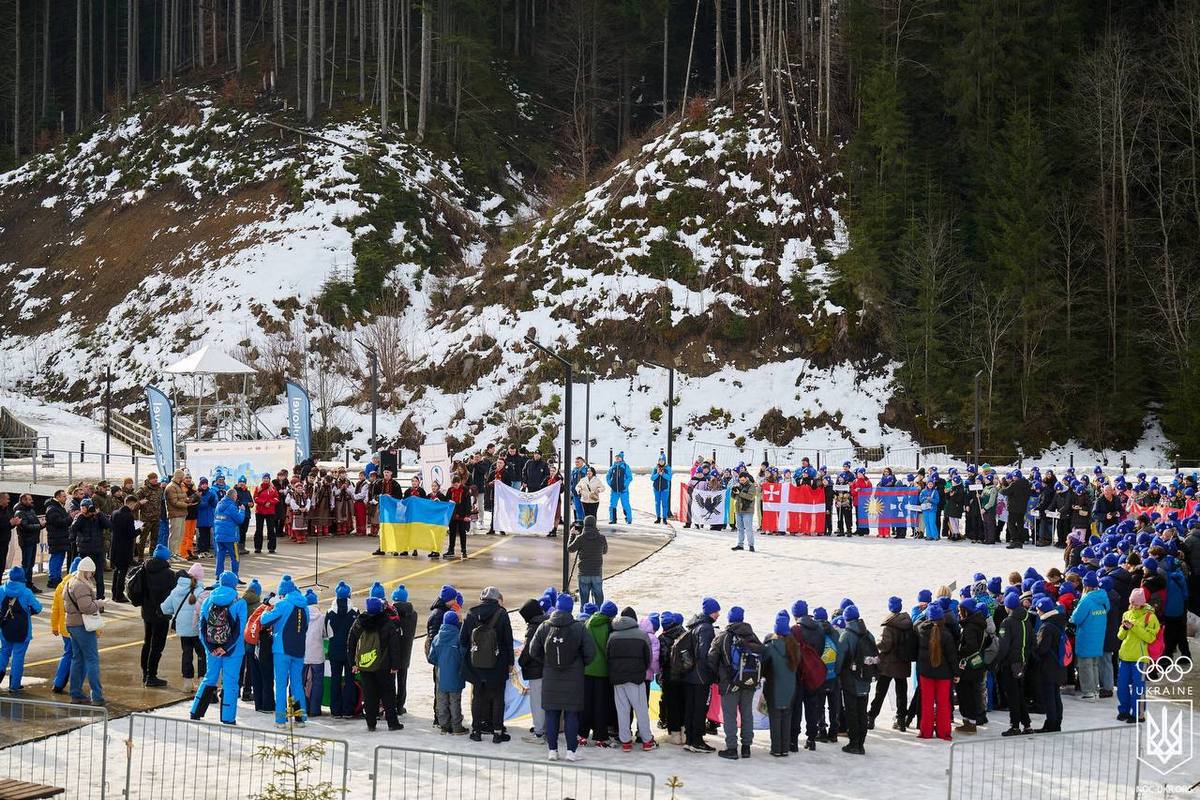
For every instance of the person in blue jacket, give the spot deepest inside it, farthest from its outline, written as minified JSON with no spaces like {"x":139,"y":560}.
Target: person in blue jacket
{"x":446,"y":654}
{"x":343,"y":694}
{"x":661,"y":480}
{"x":17,"y":607}
{"x":930,"y":496}
{"x":618,"y":479}
{"x":222,"y":620}
{"x":577,"y":474}
{"x":206,"y":510}
{"x":227,"y":521}
{"x":1174,"y":622}
{"x":288,"y":620}
{"x":1090,"y":618}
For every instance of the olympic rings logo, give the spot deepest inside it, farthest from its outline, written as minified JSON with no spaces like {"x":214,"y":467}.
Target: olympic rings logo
{"x":1164,"y":667}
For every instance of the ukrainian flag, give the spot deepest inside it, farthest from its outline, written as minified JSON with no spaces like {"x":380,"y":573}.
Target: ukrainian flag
{"x":413,"y":523}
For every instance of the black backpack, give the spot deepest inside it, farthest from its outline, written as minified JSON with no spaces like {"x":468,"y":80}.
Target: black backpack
{"x":683,"y":654}
{"x":864,"y":661}
{"x":485,"y":649}
{"x":135,"y":585}
{"x":14,"y":621}
{"x":747,"y":666}
{"x":557,"y":654}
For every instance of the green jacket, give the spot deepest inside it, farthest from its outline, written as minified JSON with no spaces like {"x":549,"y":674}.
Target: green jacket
{"x":598,"y":627}
{"x":1135,"y":641}
{"x":987,"y":498}
{"x":745,"y":495}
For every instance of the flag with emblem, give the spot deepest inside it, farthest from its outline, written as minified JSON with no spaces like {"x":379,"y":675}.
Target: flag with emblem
{"x":787,"y":508}
{"x":887,"y":507}
{"x":525,"y":512}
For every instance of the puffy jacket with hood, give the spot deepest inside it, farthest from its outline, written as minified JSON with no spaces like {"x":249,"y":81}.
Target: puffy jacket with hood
{"x":29,"y":527}
{"x":591,"y":545}
{"x":720,"y":652}
{"x":158,"y":580}
{"x":1090,"y":618}
{"x":314,"y":639}
{"x":58,"y":527}
{"x":206,"y":507}
{"x":974,"y":632}
{"x":477,"y":616}
{"x":847,"y":644}
{"x":188,"y":618}
{"x":534,"y":616}
{"x":781,"y":655}
{"x":446,"y":654}
{"x":589,"y":489}
{"x":15,"y":590}
{"x":1016,"y":640}
{"x":599,"y":627}
{"x":227,"y":520}
{"x":1050,"y":631}
{"x":282,"y":611}
{"x":228,"y":597}
{"x":1136,"y":639}
{"x":88,"y":531}
{"x":338,"y":619}
{"x":925,"y":666}
{"x":702,"y":629}
{"x":648,"y":628}
{"x":1177,"y":594}
{"x":619,"y":477}
{"x":562,"y":687}
{"x":389,"y":637}
{"x":893,"y":646}
{"x":627,"y":652}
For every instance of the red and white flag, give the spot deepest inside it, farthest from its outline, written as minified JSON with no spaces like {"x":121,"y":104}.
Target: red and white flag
{"x":793,"y":509}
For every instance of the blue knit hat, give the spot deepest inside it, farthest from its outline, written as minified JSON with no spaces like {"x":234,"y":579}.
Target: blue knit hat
{"x":447,"y":593}
{"x":1044,"y":604}
{"x":944,"y":602}
{"x":935,"y":613}
{"x":342,"y":591}
{"x":286,"y":586}
{"x":846,"y":601}
{"x":965,"y":592}
{"x":1012,"y":600}
{"x":1150,"y":565}
{"x":969,"y":605}
{"x":162,"y":552}
{"x":374,"y":605}
{"x":75,"y":564}
{"x":16,"y":574}
{"x":709,"y":606}
{"x":1031,"y":574}
{"x":590,"y":608}
{"x":400,"y":594}
{"x":1091,"y":581}
{"x":546,"y":603}
{"x":377,"y":590}
{"x":850,"y":612}
{"x":609,"y":609}
{"x":228,"y":579}
{"x":819,"y":613}
{"x":564,"y":603}
{"x":994,"y":585}
{"x":737,"y":614}
{"x":311,"y":598}
{"x":655,"y":623}
{"x":255,"y":587}
{"x":895,"y":604}
{"x":451,"y":618}
{"x":799,"y":609}
{"x":925,"y":596}
{"x":782,"y":623}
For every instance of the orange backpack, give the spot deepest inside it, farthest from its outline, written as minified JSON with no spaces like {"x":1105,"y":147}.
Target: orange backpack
{"x":254,"y":625}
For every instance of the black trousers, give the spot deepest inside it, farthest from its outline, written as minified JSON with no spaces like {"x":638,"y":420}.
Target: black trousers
{"x":377,"y":688}
{"x":402,"y":685}
{"x":674,"y":703}
{"x":249,"y":668}
{"x":969,"y":697}
{"x":265,"y":521}
{"x":487,"y":706}
{"x":881,"y":690}
{"x":844,"y":525}
{"x":245,"y":526}
{"x":589,"y":509}
{"x":595,"y":719}
{"x":1175,"y":636}
{"x":458,"y":528}
{"x":1051,"y":701}
{"x":153,"y":642}
{"x":189,"y":646}
{"x":855,"y":706}
{"x":829,"y":518}
{"x":264,"y":683}
{"x":695,"y":710}
{"x":1014,"y":692}
{"x":118,"y":581}
{"x":806,"y":712}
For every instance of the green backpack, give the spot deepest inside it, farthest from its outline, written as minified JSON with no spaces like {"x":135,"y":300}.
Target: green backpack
{"x":368,"y":655}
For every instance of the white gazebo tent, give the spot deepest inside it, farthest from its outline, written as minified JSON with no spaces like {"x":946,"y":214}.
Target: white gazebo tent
{"x":212,"y":361}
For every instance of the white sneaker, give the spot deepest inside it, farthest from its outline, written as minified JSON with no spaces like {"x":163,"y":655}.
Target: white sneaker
{"x":553,"y":756}
{"x":572,"y":755}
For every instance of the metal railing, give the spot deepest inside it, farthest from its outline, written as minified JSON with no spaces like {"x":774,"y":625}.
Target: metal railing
{"x":409,"y":773}
{"x":180,"y":758}
{"x":1099,"y":764}
{"x":125,"y":429}
{"x":46,"y":464}
{"x":55,"y":744}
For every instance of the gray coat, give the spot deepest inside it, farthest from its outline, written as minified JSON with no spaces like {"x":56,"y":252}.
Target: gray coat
{"x":562,"y":687}
{"x":591,"y":545}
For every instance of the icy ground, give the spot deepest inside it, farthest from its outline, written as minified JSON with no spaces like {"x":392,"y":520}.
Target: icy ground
{"x":822,"y":571}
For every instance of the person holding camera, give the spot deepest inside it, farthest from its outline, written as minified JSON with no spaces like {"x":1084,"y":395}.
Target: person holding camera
{"x":88,"y":531}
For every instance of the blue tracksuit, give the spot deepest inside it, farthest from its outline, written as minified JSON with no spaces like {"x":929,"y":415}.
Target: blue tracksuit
{"x":12,"y":654}
{"x":226,"y":530}
{"x":930,"y":515}
{"x":577,"y":474}
{"x":226,"y":668}
{"x":618,"y":479}
{"x":289,"y":669}
{"x":662,"y":493}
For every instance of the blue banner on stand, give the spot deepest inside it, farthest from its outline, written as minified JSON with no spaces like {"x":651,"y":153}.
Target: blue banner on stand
{"x":299,"y":411}
{"x":162,"y":431}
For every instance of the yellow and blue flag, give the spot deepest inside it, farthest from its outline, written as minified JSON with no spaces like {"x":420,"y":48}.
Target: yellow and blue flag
{"x":413,"y":523}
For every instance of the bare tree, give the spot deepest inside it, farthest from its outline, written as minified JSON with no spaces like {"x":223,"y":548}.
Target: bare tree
{"x":992,"y":314}
{"x":426,"y":67}
{"x":1074,"y":251}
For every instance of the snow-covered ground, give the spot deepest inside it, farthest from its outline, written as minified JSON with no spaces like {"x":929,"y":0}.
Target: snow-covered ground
{"x":62,"y":428}
{"x":822,"y":571}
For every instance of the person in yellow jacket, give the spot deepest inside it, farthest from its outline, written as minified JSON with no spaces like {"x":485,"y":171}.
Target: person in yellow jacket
{"x":1139,"y":627}
{"x":58,"y":627}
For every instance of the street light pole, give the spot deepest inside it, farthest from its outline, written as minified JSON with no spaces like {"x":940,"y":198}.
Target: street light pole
{"x":975,"y":452}
{"x":587,"y":418}
{"x":107,"y":412}
{"x":566,"y":515}
{"x":670,"y":368}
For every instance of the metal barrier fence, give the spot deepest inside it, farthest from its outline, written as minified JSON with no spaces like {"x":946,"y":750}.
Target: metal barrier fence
{"x":406,"y":773}
{"x":179,"y":758}
{"x":55,"y":744}
{"x":1099,"y":764}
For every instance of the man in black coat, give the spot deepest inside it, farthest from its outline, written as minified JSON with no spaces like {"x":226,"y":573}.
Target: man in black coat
{"x":487,"y":671}
{"x":537,"y":472}
{"x":406,"y":623}
{"x":147,"y":588}
{"x":124,"y":535}
{"x":514,"y":467}
{"x":1017,"y":492}
{"x":1107,"y":510}
{"x":58,"y":536}
{"x":1051,"y":673}
{"x":534,"y":612}
{"x":88,"y":531}
{"x":701,"y":677}
{"x":1012,"y":658}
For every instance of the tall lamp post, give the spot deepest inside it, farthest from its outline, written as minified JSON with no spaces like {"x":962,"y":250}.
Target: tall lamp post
{"x":587,"y":414}
{"x":975,"y":453}
{"x":670,"y":368}
{"x":107,"y":412}
{"x":566,"y":515}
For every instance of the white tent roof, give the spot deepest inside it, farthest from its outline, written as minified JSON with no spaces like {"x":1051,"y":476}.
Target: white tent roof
{"x":209,"y":360}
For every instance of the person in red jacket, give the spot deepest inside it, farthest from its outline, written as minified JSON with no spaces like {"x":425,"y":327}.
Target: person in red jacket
{"x":266,"y":498}
{"x":860,"y":484}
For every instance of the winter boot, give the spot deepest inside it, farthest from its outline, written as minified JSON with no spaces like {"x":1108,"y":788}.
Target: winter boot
{"x":966,"y":727}
{"x":207,"y":696}
{"x":731,"y":754}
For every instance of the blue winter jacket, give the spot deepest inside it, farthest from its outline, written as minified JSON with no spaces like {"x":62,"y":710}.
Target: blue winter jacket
{"x":661,"y":482}
{"x":185,"y":620}
{"x":619,"y":476}
{"x":1177,"y":595}
{"x":282,"y":610}
{"x":20,"y":591}
{"x":446,"y":654}
{"x":338,"y":619}
{"x":207,"y":508}
{"x":225,"y":596}
{"x":1090,"y":618}
{"x":226,"y":521}
{"x":577,"y":474}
